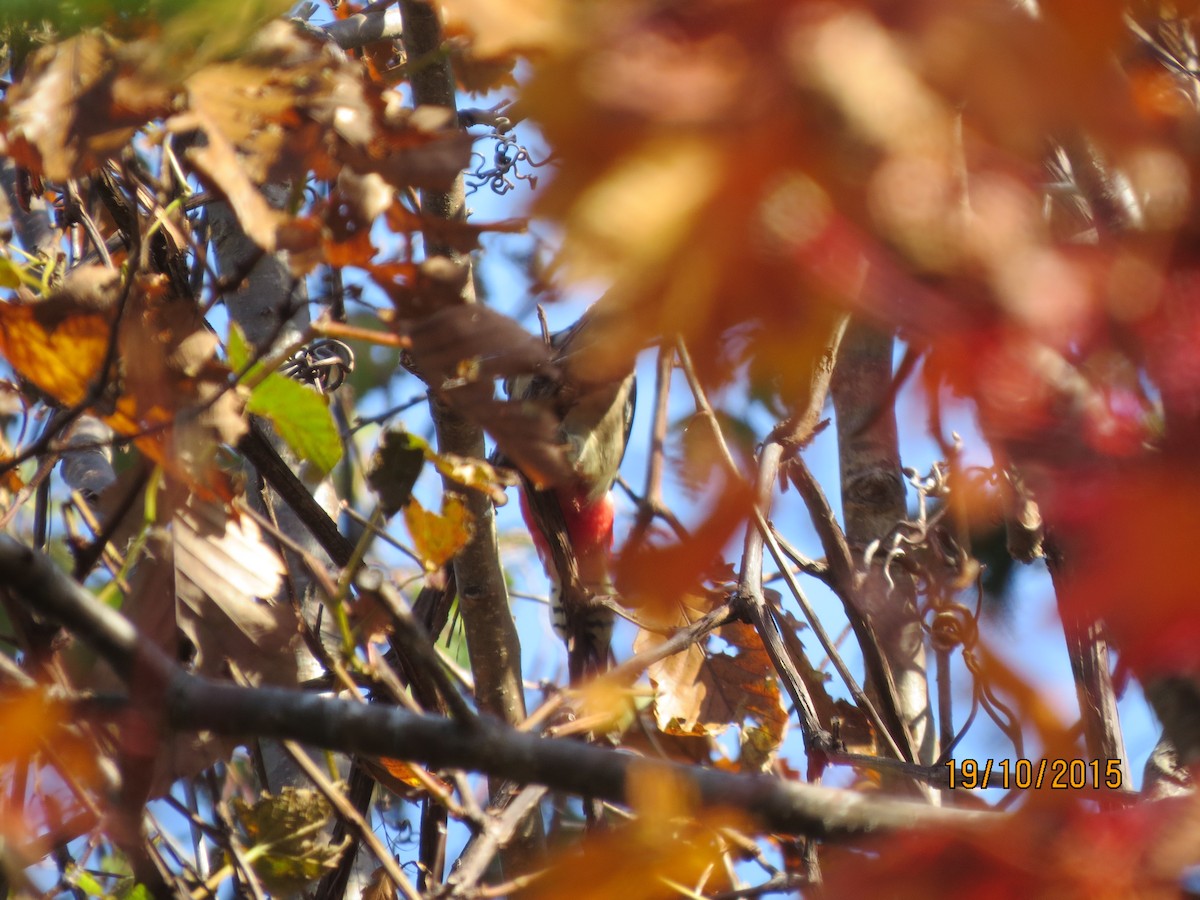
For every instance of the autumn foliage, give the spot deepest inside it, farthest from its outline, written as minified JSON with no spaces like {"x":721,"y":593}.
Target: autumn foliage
{"x":234,"y":238}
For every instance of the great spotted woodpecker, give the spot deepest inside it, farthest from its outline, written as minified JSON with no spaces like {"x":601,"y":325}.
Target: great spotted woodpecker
{"x":572,"y":523}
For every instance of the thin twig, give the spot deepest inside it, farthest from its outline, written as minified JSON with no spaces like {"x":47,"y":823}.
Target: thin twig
{"x":411,"y":638}
{"x":344,"y":809}
{"x":497,"y":832}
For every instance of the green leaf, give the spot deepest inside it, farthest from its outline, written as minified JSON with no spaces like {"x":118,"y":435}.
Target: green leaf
{"x":301,"y":416}
{"x":189,"y":32}
{"x":85,"y":882}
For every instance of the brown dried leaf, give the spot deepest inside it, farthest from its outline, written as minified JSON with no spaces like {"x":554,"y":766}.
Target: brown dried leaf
{"x":218,"y":161}
{"x":469,"y":342}
{"x":151,"y":606}
{"x":226,"y":579}
{"x":647,"y":740}
{"x":501,"y":29}
{"x":459,"y":351}
{"x":846,"y":721}
{"x":290,"y":105}
{"x":454,"y":233}
{"x":526,"y":433}
{"x":411,"y":148}
{"x":380,"y":887}
{"x":679,"y":689}
{"x":742,"y":688}
{"x":77,"y":105}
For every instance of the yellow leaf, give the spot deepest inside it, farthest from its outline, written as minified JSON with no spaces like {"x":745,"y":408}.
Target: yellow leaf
{"x":55,"y":346}
{"x":10,"y":274}
{"x":438,"y":537}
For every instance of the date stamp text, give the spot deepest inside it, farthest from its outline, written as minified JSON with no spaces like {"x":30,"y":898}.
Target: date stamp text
{"x":1026,"y":774}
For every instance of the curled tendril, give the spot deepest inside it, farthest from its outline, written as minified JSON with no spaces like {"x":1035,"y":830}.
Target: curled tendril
{"x":953,"y":625}
{"x":324,"y":364}
{"x":504,"y":172}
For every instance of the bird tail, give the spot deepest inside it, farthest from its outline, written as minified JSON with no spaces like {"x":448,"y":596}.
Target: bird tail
{"x":585,"y":623}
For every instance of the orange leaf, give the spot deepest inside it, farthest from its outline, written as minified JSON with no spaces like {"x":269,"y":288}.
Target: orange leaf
{"x":58,"y":344}
{"x":656,"y":579}
{"x":667,"y":844}
{"x":1052,"y":848}
{"x":401,"y":777}
{"x":438,"y":537}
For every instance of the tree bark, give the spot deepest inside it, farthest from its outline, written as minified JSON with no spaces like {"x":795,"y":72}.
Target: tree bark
{"x":873,"y":502}
{"x":493,"y":646}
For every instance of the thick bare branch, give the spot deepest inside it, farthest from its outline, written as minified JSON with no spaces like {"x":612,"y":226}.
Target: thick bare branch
{"x":191,"y":703}
{"x":492,"y":642}
{"x":873,"y":504}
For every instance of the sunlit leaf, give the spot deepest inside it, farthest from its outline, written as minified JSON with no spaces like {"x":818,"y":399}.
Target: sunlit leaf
{"x":10,"y":276}
{"x":60,"y":343}
{"x":668,"y":843}
{"x":226,"y":579}
{"x":500,"y":29}
{"x":438,"y":537}
{"x":679,"y":691}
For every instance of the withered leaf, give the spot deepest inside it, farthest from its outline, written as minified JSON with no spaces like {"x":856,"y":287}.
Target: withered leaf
{"x":151,"y":606}
{"x":850,"y":724}
{"x":679,"y":691}
{"x":393,"y":469}
{"x":473,"y":342}
{"x":380,"y":887}
{"x":397,"y":461}
{"x":501,"y":30}
{"x":216,"y":159}
{"x":226,"y":581}
{"x":77,"y":105}
{"x":456,"y":234}
{"x":459,"y":351}
{"x":289,"y":830}
{"x":742,"y":687}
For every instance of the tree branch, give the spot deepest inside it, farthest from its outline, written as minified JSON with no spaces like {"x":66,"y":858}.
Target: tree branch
{"x":191,"y":703}
{"x":873,"y":503}
{"x":492,"y":642}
